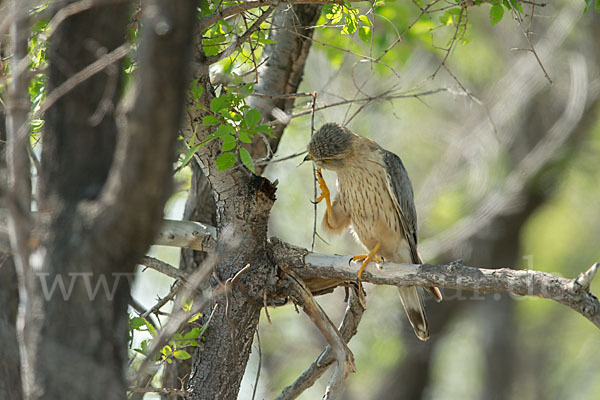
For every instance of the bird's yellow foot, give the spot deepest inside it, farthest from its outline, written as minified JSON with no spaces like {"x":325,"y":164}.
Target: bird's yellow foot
{"x":325,"y":194}
{"x":367,"y":258}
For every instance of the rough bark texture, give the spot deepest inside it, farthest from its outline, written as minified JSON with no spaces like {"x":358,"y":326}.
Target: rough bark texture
{"x":102,"y":194}
{"x":281,"y":74}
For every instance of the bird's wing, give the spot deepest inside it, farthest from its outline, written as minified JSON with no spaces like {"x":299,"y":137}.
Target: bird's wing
{"x":401,"y":192}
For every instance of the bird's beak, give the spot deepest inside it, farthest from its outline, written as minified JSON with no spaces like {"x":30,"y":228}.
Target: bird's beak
{"x":308,"y":157}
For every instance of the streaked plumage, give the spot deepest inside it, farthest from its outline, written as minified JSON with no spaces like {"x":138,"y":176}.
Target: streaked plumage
{"x":374,"y":199}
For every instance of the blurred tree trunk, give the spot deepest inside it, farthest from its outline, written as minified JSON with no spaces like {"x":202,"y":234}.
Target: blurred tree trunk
{"x":101,"y":196}
{"x":10,"y":368}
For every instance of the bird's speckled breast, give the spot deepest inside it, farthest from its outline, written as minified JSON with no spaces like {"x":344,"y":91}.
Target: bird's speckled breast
{"x":364,"y":195}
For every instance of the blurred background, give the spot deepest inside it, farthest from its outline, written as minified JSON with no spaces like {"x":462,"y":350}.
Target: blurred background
{"x":505,"y":167}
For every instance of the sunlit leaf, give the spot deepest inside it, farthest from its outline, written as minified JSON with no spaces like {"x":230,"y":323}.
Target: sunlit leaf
{"x":365,"y":20}
{"x":181,"y":355}
{"x":364,"y":32}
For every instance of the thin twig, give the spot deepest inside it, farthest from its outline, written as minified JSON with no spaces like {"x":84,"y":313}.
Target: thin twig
{"x":81,"y":76}
{"x":259,"y":364}
{"x":241,"y":39}
{"x":312,"y":132}
{"x":160,"y":304}
{"x":162,"y":267}
{"x":452,"y":42}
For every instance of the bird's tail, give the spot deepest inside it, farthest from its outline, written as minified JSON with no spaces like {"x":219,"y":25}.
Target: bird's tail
{"x":412,"y":300}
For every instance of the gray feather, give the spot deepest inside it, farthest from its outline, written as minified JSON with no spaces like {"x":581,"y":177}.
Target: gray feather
{"x":402,"y":193}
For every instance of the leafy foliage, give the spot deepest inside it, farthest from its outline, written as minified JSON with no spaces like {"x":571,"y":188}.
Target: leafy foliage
{"x":237,"y":124}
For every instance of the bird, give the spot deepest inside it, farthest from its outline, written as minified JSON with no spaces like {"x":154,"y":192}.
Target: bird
{"x":375,"y":201}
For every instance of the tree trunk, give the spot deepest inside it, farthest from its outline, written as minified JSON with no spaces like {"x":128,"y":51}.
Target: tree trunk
{"x":219,"y":366}
{"x":102,"y":193}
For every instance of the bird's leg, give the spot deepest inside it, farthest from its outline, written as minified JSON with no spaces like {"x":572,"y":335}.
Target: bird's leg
{"x":325,"y":194}
{"x":367,"y":258}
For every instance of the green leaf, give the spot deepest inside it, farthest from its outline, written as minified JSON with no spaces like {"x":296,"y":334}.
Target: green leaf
{"x":144,"y":346}
{"x":335,"y":14}
{"x":223,"y":130}
{"x":365,"y":20}
{"x":496,"y":13}
{"x":210,"y":120}
{"x":136,"y":323}
{"x":197,"y":89}
{"x":246,"y":158}
{"x":195,"y":317}
{"x":266,"y":41}
{"x":225,"y":161}
{"x":244,"y":137}
{"x":193,"y":334}
{"x":181,"y":355}
{"x":252,"y":118}
{"x":229,"y":142}
{"x":264,"y":128}
{"x":218,"y":103}
{"x":351,"y":23}
{"x":364,"y":32}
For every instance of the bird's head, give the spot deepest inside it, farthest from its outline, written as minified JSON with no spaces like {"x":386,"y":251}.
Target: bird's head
{"x":331,"y":146}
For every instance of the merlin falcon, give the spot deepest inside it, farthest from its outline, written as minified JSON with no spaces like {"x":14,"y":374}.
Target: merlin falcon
{"x":375,"y":199}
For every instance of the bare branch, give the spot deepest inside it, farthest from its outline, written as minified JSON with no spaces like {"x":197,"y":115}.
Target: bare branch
{"x":98,"y":66}
{"x":323,"y":271}
{"x":19,"y":197}
{"x":460,"y":277}
{"x":342,"y":355}
{"x":187,"y":234}
{"x":348,"y":328}
{"x":162,"y":267}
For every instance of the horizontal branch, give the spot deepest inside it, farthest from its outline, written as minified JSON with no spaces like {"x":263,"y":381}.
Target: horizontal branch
{"x":569,"y":292}
{"x":187,"y":235}
{"x":323,"y":272}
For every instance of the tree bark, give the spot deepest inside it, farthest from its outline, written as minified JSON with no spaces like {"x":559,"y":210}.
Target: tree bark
{"x":217,"y":371}
{"x":102,"y":193}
